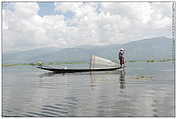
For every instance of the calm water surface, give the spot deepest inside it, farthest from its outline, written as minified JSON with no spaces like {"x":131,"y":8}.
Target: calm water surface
{"x":31,"y":92}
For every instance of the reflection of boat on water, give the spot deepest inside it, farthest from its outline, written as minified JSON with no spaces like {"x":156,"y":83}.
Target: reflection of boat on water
{"x":92,"y":74}
{"x":96,"y":64}
{"x":112,"y":76}
{"x":48,"y":74}
{"x":96,"y":77}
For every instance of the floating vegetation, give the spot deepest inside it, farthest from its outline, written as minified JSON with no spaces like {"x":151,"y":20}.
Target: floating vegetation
{"x":59,"y":63}
{"x":152,"y":60}
{"x":40,"y":63}
{"x":132,"y":61}
{"x":143,"y":77}
{"x":8,"y":65}
{"x":161,"y":60}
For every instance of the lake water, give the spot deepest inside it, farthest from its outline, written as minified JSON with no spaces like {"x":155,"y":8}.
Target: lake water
{"x":142,"y":89}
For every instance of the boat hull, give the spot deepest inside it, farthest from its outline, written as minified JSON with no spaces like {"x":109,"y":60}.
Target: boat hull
{"x":56,"y":70}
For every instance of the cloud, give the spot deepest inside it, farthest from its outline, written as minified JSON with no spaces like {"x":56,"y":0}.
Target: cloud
{"x":24,"y":29}
{"x":135,"y":11}
{"x":145,"y":19}
{"x":68,"y":7}
{"x":92,"y":23}
{"x":25,"y":10}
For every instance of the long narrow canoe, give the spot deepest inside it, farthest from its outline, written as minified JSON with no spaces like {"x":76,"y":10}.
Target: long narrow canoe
{"x":56,"y":70}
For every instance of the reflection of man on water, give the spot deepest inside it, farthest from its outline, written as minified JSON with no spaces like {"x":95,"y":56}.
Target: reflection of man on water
{"x":122,"y":79}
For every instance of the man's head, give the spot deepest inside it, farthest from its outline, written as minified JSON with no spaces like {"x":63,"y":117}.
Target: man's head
{"x":121,"y":49}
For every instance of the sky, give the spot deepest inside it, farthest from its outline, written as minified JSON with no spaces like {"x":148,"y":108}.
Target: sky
{"x":30,"y":25}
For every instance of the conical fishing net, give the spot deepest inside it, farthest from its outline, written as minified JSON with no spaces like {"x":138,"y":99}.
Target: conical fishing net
{"x":99,"y":62}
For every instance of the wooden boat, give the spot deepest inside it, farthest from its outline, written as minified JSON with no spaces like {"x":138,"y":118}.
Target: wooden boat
{"x":95,"y":62}
{"x":57,"y":70}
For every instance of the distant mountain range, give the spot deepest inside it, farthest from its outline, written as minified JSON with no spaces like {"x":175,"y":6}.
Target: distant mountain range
{"x":154,"y":48}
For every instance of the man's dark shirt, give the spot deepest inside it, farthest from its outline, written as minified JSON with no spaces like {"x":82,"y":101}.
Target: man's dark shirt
{"x":120,"y":55}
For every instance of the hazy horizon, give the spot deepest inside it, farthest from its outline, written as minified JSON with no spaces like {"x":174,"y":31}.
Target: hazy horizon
{"x":81,"y":46}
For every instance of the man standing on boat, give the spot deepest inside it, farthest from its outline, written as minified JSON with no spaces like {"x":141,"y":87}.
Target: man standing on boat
{"x":121,"y":57}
